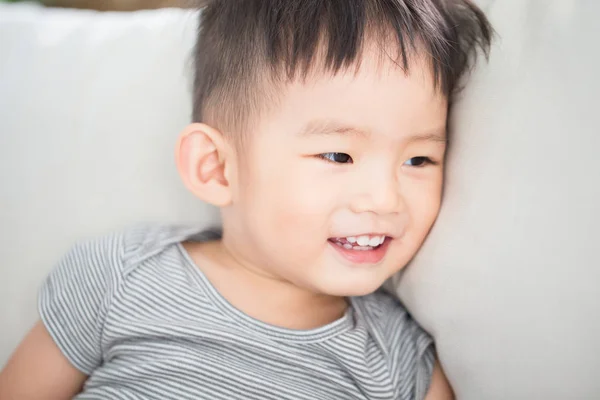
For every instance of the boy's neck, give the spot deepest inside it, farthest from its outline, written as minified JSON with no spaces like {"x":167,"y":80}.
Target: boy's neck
{"x":262,"y":296}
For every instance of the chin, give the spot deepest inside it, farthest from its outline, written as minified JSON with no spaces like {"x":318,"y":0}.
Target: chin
{"x":351,"y":289}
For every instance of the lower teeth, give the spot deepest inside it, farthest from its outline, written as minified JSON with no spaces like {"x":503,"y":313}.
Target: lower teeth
{"x":348,"y":246}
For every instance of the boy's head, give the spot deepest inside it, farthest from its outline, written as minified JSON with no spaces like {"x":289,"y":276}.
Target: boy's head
{"x":321,"y":130}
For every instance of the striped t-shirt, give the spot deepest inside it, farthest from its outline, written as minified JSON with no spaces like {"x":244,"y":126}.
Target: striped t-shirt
{"x":135,"y":314}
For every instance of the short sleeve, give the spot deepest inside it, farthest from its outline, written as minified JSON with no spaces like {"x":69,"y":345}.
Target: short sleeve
{"x":424,"y":362}
{"x":411,"y":349}
{"x":75,"y":298}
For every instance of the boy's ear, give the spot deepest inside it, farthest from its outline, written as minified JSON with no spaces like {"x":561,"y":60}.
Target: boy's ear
{"x":202,"y":157}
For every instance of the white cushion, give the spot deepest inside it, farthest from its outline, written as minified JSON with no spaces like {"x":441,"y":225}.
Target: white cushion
{"x":508,"y":281}
{"x":90,"y":108}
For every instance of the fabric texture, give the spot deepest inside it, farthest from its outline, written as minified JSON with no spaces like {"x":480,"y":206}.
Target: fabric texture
{"x":133,"y":312}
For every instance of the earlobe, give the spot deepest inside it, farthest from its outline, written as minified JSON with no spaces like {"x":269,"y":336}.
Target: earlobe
{"x":202,"y":156}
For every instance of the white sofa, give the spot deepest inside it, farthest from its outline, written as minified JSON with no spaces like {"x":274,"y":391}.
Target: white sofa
{"x":90,"y":106}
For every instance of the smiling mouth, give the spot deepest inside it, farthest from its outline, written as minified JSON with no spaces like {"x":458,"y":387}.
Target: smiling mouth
{"x":362,"y":250}
{"x":360,"y":243}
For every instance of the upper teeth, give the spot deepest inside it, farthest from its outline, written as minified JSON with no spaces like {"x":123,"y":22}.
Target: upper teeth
{"x":366,"y":240}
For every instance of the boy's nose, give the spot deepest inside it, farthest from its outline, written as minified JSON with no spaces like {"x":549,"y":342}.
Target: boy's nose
{"x":380,"y":195}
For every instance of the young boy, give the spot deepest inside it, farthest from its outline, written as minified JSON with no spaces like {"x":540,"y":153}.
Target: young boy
{"x":321,"y":135}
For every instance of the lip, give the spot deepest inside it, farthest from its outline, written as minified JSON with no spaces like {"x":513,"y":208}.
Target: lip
{"x":387,"y":235}
{"x":363,"y":257}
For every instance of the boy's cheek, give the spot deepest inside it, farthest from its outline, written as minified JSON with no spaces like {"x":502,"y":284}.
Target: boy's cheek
{"x":298,"y":196}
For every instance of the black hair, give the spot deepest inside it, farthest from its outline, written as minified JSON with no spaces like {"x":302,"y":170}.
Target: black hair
{"x":245,"y":45}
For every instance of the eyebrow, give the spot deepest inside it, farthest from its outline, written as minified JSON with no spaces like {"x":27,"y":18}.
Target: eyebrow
{"x":437,"y":136}
{"x":331,"y":127}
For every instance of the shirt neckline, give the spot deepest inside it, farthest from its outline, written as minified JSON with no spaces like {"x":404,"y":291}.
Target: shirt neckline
{"x":337,"y":327}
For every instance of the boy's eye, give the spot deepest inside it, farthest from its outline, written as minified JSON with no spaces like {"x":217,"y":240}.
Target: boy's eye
{"x":338,"y":158}
{"x":418,"y":161}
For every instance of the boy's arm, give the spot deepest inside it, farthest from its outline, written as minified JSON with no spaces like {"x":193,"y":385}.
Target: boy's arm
{"x":440,"y":388}
{"x":39,"y":371}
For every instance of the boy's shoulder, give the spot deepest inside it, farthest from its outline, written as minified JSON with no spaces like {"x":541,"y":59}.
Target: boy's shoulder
{"x":381,"y":305}
{"x":390,"y":320}
{"x":105,"y":281}
{"x":143,"y":242}
{"x":407,"y":348}
{"x":128,"y":248}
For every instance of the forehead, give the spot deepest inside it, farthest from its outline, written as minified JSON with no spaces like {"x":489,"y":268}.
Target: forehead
{"x":377,"y":97}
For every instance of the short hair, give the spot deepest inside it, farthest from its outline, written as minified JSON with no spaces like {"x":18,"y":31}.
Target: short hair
{"x":245,"y":48}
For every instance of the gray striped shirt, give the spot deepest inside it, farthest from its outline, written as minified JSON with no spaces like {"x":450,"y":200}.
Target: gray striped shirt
{"x":133,"y":312}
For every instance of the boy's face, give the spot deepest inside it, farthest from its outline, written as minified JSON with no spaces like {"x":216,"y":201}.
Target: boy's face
{"x":341,"y":182}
